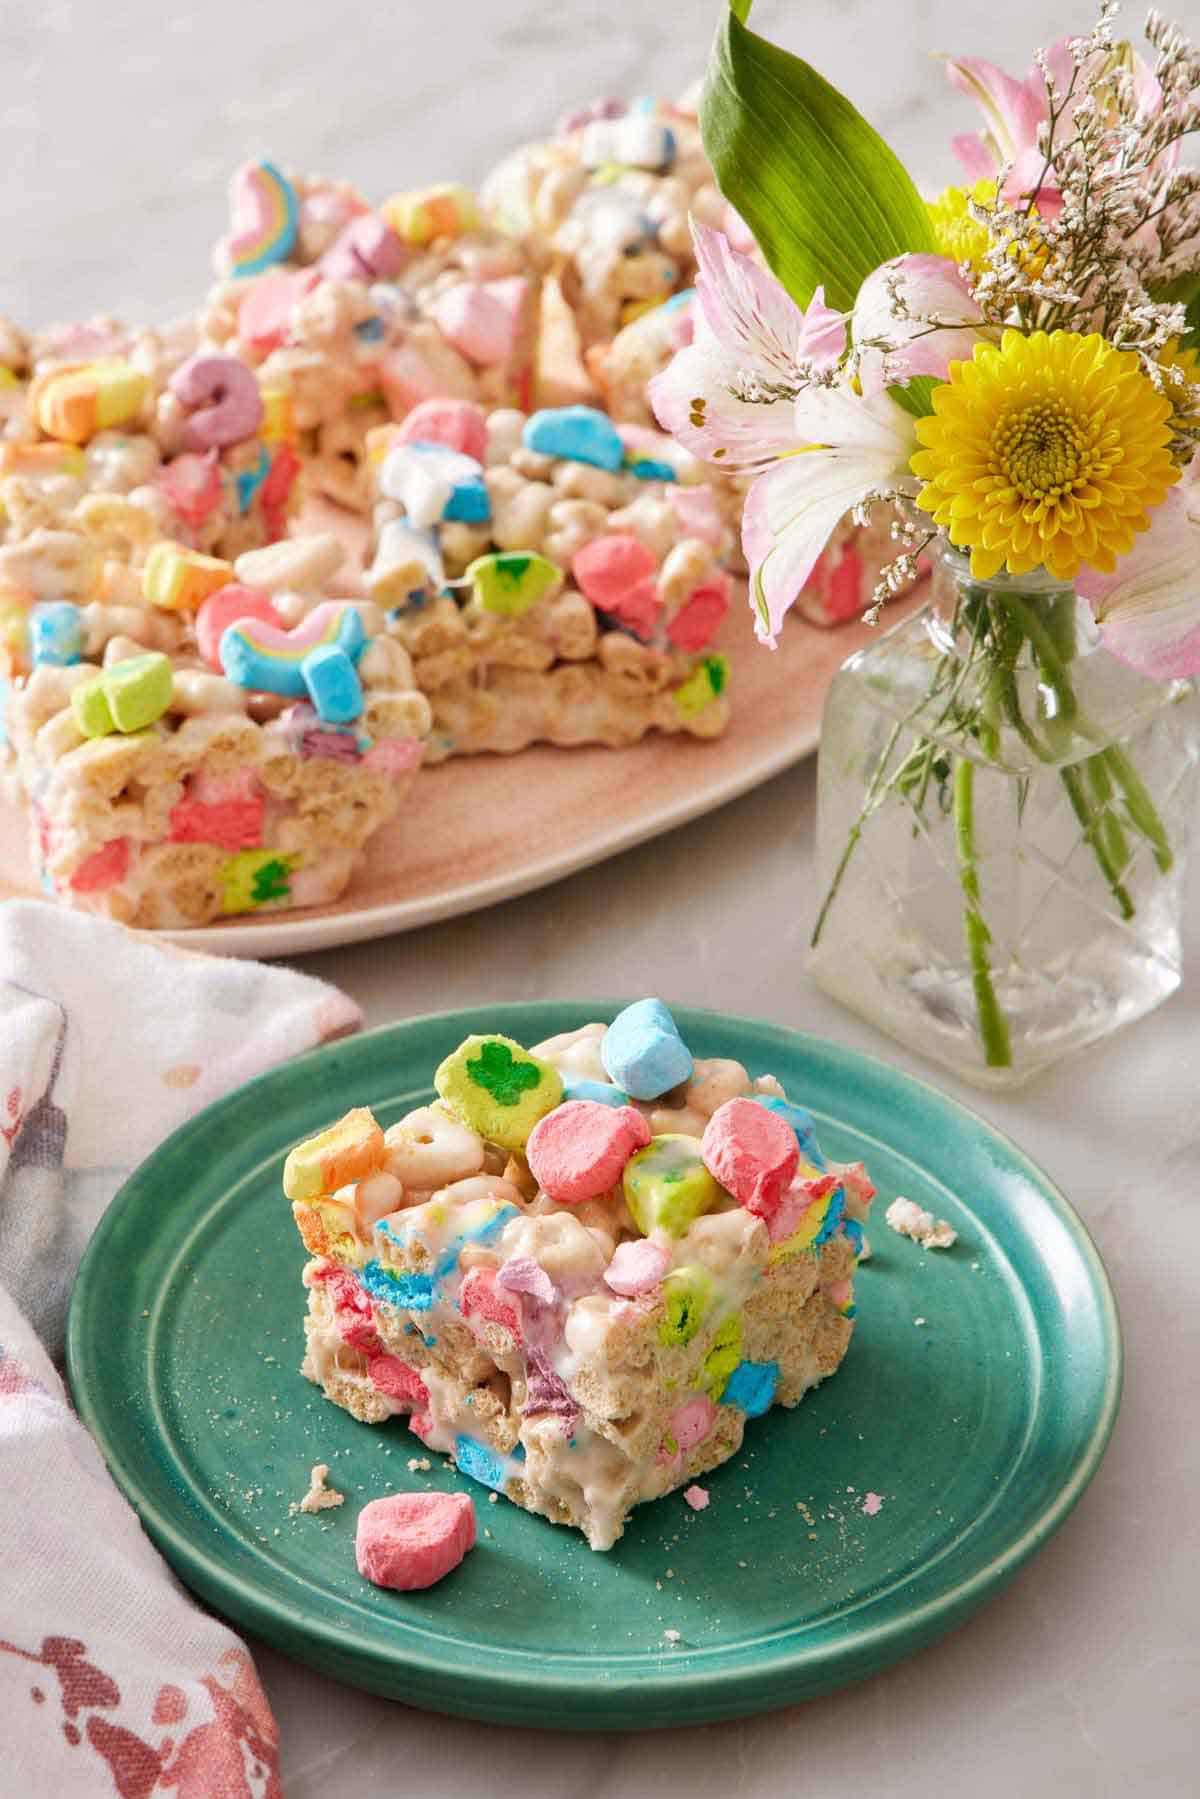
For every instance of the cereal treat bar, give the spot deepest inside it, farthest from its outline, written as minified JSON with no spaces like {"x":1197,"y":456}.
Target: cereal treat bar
{"x":582,"y":1268}
{"x":606,"y":209}
{"x":351,"y":316}
{"x":603,"y":208}
{"x":111,"y":438}
{"x":228,"y":744}
{"x":555,"y":577}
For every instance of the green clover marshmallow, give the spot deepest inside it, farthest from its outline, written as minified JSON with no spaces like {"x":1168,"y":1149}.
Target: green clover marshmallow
{"x":667,"y":1185}
{"x":498,"y":1089}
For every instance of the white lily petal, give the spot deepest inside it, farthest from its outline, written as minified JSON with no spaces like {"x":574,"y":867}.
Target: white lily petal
{"x":1147,"y":609}
{"x":943,"y":322}
{"x":693,"y":399}
{"x":792,"y":509}
{"x":752,"y":317}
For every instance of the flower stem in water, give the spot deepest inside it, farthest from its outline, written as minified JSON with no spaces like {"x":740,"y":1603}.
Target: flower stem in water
{"x":993,"y":1026}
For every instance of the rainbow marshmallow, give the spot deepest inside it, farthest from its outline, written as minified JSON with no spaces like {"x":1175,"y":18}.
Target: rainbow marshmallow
{"x":268,"y":659}
{"x":265,"y":214}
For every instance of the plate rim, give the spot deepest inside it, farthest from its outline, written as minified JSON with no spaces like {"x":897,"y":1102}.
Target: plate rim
{"x":696,"y":1693}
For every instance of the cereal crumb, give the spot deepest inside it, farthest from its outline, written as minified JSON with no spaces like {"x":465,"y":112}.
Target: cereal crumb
{"x":419,"y":1464}
{"x":696,"y":1497}
{"x":907,"y":1219}
{"x":872,"y":1503}
{"x":319,"y":1497}
{"x":919,"y":1321}
{"x":672,"y":1636}
{"x":493,"y":1498}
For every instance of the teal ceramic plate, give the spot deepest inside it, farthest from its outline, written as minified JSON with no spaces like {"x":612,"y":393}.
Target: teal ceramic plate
{"x":974,"y":1406}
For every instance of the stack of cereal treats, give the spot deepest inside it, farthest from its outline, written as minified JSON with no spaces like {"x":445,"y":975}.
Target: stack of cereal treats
{"x":201,"y":723}
{"x":582,"y":1268}
{"x":556,"y":577}
{"x":226,"y":742}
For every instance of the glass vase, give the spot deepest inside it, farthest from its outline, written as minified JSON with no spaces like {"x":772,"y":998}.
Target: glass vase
{"x":1003,"y":821}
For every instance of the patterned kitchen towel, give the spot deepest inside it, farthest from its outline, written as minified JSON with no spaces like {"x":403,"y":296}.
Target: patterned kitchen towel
{"x":112,"y":1682}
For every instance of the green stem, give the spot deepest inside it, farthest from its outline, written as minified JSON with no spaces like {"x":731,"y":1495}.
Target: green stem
{"x":876,"y":793}
{"x":1142,"y":811}
{"x":1089,"y":824}
{"x":1111,"y":829}
{"x":993,"y":1026}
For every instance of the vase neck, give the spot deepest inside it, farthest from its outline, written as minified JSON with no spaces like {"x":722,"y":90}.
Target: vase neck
{"x":1036,"y":607}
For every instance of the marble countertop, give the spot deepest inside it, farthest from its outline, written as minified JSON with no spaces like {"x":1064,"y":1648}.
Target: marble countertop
{"x":1082,"y":1678}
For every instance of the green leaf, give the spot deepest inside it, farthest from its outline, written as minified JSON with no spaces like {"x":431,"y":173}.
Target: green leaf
{"x":825,"y":197}
{"x":917,"y":397}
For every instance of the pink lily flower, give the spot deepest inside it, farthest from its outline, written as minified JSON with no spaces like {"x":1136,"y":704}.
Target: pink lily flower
{"x":1146,"y":609}
{"x":749,"y":338}
{"x":860,"y":446}
{"x":943,"y":322}
{"x":1015,"y":111}
{"x":741,"y":395}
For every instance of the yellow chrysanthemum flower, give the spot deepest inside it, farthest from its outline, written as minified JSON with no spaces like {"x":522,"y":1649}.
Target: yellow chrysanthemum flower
{"x":958,"y":235}
{"x":1048,"y":451}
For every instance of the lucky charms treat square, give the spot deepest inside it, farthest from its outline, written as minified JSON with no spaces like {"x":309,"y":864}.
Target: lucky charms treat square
{"x":556,"y":577}
{"x":229,"y":745}
{"x":583,"y":1268}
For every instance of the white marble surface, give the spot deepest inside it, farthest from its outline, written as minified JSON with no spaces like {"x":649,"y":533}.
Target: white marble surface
{"x":118,"y":128}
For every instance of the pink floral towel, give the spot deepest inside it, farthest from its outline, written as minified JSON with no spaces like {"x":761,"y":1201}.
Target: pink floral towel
{"x":112,"y":1682}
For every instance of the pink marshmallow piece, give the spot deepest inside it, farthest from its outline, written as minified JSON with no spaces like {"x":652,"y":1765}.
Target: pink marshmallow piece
{"x":366,"y":250}
{"x":752,"y":1152}
{"x":580,"y":1149}
{"x":192,"y":484}
{"x":222,"y":401}
{"x":395,"y":1378}
{"x":636,"y":1267}
{"x":613,"y":567}
{"x":692,"y":1421}
{"x":478,"y":324}
{"x":696,"y":1497}
{"x":395,"y":755}
{"x":411,"y":1540}
{"x":458,"y":424}
{"x":638,"y":609}
{"x":228,"y":606}
{"x":264,"y":318}
{"x":701,"y":615}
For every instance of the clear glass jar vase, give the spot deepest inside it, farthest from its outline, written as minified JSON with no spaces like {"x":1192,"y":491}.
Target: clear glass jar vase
{"x":1003,"y":821}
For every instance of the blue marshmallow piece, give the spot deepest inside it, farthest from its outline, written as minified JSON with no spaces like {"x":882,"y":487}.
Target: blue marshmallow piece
{"x":470,"y":502}
{"x":579,"y":433}
{"x":799,"y":1120}
{"x":643,"y":1052}
{"x":55,"y":634}
{"x":480,"y":1462}
{"x":647,"y":469}
{"x":751,"y":1387}
{"x":599,"y":1092}
{"x":333,"y":684}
